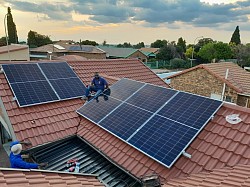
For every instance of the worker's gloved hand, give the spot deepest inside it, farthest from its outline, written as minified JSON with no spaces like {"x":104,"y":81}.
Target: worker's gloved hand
{"x":42,"y":165}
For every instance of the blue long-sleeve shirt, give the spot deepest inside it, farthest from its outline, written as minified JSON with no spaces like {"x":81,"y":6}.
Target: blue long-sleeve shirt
{"x":17,"y":161}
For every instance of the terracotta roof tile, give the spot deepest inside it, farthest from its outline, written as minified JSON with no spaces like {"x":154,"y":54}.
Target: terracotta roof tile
{"x":220,"y":144}
{"x":15,"y":177}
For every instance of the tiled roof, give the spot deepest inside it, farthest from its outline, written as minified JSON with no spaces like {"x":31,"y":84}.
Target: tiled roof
{"x":238,"y":78}
{"x":150,"y":49}
{"x":219,"y":145}
{"x":48,"y":122}
{"x":118,"y":52}
{"x":42,"y":178}
{"x":12,"y":47}
{"x":236,"y":176}
{"x":71,"y":58}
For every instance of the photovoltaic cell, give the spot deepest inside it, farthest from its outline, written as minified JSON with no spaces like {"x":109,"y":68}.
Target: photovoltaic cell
{"x":151,"y":97}
{"x":96,"y":111}
{"x":125,"y":120}
{"x":22,"y":72}
{"x":31,"y":93}
{"x":68,"y":88}
{"x":125,"y":88}
{"x":57,"y":70}
{"x":192,"y":110}
{"x":163,"y":139}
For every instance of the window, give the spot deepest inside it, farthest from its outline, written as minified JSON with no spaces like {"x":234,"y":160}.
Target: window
{"x":215,"y":96}
{"x":228,"y":98}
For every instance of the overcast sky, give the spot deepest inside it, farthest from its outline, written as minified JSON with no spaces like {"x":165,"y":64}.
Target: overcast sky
{"x":119,"y":21}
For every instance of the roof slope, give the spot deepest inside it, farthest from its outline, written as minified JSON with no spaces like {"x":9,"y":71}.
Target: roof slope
{"x":236,"y":176}
{"x":42,"y":178}
{"x":118,"y":52}
{"x":12,"y":47}
{"x":220,"y":144}
{"x":238,"y":78}
{"x":48,"y":122}
{"x":150,"y":49}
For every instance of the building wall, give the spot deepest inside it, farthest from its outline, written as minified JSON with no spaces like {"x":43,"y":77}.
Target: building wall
{"x":20,"y":55}
{"x":201,"y":82}
{"x":139,"y":55}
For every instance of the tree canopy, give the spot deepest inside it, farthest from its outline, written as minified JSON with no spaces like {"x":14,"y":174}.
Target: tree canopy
{"x":88,"y":42}
{"x":159,"y":43}
{"x":236,"y":36}
{"x":12,"y":32}
{"x":37,"y":40}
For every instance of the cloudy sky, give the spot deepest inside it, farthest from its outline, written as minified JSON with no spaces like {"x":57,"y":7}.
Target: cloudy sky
{"x":134,"y":21}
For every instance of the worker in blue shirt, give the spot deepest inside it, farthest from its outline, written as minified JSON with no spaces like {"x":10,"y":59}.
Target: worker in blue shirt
{"x":98,"y":84}
{"x":16,"y":159}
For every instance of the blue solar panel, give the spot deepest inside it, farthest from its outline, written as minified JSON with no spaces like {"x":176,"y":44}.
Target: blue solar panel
{"x":96,"y":111}
{"x":123,"y":122}
{"x":68,"y":88}
{"x":125,"y":88}
{"x":157,"y":121}
{"x":57,"y":70}
{"x":151,"y":97}
{"x":22,"y":72}
{"x":31,"y":93}
{"x":163,"y":139}
{"x":192,"y":110}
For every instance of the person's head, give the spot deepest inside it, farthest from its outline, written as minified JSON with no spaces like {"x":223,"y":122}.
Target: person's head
{"x":16,"y":147}
{"x":96,"y":75}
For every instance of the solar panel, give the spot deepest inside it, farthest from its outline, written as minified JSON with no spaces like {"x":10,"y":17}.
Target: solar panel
{"x":80,"y":48}
{"x":96,"y":111}
{"x":192,"y":110}
{"x":159,"y":122}
{"x":43,"y":82}
{"x":125,"y":88}
{"x":163,"y":139}
{"x":32,"y":93}
{"x":68,"y":88}
{"x":122,"y":122}
{"x":22,"y":72}
{"x":148,"y":97}
{"x":57,"y":70}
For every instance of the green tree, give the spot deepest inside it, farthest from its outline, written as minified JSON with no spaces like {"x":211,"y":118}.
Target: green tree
{"x":125,"y":45}
{"x":139,"y":45}
{"x":159,"y":43}
{"x":37,"y":40}
{"x":181,"y":44}
{"x":167,"y":52}
{"x":217,"y":51}
{"x":11,"y":27}
{"x":236,"y":36}
{"x":88,"y":42}
{"x":242,"y":54}
{"x":3,"y":41}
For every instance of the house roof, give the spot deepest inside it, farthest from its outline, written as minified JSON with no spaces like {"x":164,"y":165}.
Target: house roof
{"x":71,"y":58}
{"x":66,"y":47}
{"x":13,"y":47}
{"x":238,"y":78}
{"x":150,"y":49}
{"x":49,"y":122}
{"x":220,"y":144}
{"x":42,"y":178}
{"x":238,"y":175}
{"x":118,"y":52}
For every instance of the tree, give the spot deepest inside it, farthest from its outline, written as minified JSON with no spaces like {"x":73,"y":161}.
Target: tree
{"x":3,"y":41}
{"x":88,"y":42}
{"x":217,"y":51}
{"x":181,"y":44}
{"x":125,"y":45}
{"x":139,"y":45}
{"x":236,"y":36}
{"x":37,"y":40}
{"x":242,"y":54}
{"x":12,"y":32}
{"x":159,"y":43}
{"x":167,"y":52}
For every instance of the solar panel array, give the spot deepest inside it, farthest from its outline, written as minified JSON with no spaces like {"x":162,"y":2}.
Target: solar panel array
{"x":157,"y":121}
{"x":39,"y":83}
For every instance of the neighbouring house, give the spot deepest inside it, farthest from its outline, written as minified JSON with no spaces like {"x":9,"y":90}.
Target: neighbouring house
{"x":58,"y":133}
{"x":62,"y":48}
{"x":14,"y":52}
{"x":150,"y":50}
{"x":212,"y":80}
{"x":116,"y":52}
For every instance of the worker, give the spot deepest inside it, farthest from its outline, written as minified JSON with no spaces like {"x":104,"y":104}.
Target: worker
{"x":98,"y":84}
{"x":16,"y":159}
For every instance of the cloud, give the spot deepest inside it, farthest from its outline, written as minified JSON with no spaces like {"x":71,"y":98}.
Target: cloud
{"x":156,"y":13}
